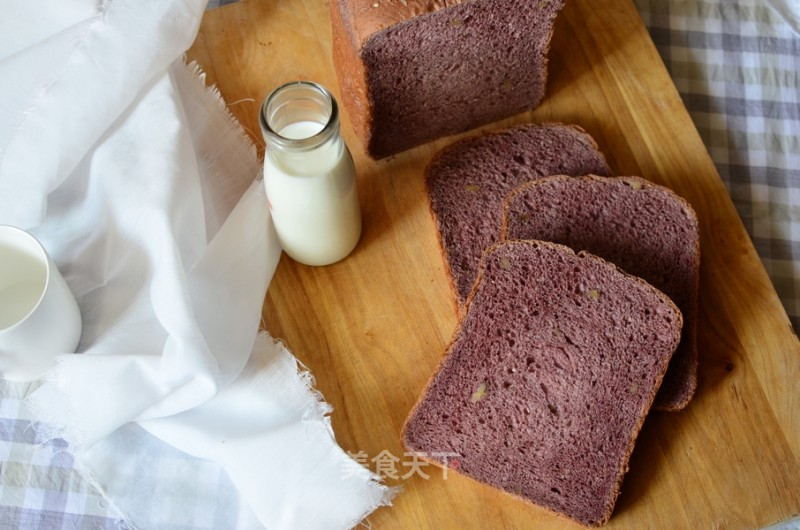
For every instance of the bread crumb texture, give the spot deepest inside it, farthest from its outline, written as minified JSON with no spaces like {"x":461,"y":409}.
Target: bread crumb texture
{"x":546,"y":384}
{"x":440,"y":68}
{"x":468,"y":182}
{"x":645,"y":229}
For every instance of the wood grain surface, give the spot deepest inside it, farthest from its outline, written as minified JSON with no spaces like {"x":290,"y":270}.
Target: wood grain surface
{"x":373,"y":327}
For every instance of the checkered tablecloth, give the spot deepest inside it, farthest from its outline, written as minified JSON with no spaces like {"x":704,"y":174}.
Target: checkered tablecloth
{"x":40,"y":487}
{"x":737,"y":67}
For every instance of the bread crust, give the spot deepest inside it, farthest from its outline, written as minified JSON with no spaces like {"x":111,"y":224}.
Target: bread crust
{"x":350,"y":70}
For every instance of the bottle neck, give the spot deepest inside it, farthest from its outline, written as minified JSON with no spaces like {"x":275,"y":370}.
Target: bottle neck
{"x":300,"y":125}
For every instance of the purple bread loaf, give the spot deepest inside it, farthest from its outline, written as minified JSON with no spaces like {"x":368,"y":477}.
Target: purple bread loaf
{"x":547,"y":381}
{"x":645,"y":229}
{"x":411,"y":71}
{"x":469,"y":180}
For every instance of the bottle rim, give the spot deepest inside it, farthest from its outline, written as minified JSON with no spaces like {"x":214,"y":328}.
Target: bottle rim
{"x":278,"y":97}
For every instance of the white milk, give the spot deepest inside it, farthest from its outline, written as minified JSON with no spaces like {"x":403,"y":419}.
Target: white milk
{"x":313,"y":197}
{"x":17,"y":300}
{"x":301,"y":130}
{"x":23,"y":279}
{"x":39,"y":317}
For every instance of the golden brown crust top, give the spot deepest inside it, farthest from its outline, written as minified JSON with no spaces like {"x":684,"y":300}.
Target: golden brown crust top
{"x":370,"y":16}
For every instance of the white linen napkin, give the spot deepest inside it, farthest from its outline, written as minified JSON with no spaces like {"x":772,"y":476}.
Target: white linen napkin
{"x":142,"y":188}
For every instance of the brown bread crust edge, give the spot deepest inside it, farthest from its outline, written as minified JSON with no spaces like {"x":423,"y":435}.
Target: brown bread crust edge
{"x":350,"y":72}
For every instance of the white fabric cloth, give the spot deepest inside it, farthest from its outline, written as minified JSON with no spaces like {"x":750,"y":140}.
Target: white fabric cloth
{"x":144,"y":191}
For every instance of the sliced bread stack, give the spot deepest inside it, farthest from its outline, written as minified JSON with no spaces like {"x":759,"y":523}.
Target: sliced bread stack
{"x":559,"y":354}
{"x":468,"y":182}
{"x":645,"y":229}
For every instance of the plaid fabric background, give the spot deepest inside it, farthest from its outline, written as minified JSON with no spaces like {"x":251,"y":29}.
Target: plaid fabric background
{"x":39,"y":485}
{"x":736,"y":65}
{"x":737,"y":68}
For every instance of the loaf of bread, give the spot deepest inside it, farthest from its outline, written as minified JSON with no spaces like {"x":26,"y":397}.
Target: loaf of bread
{"x":548,"y":378}
{"x":645,"y":229}
{"x":468,"y":181}
{"x":411,"y":71}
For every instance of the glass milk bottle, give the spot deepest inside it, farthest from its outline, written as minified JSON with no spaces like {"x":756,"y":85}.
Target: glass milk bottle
{"x":309,"y":174}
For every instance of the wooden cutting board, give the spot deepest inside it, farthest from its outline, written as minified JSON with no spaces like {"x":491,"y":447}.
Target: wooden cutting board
{"x":373,"y":327}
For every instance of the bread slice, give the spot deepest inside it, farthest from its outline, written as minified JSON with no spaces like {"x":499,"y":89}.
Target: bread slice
{"x":645,"y":229}
{"x":411,"y":71}
{"x":468,"y":181}
{"x":548,"y":378}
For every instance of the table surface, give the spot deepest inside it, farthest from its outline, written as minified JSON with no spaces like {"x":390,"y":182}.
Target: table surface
{"x":373,"y":327}
{"x":380,"y":320}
